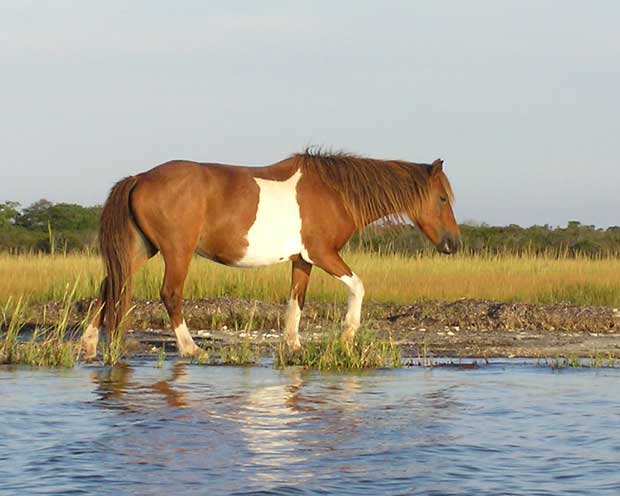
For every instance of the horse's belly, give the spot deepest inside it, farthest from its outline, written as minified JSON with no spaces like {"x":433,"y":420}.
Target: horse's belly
{"x":267,"y":249}
{"x":276,"y":232}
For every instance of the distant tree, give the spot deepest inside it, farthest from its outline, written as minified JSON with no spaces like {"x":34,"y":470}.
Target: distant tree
{"x":72,"y":217}
{"x":9,"y":212}
{"x":60,"y":216}
{"x":587,"y":247}
{"x":36,"y":216}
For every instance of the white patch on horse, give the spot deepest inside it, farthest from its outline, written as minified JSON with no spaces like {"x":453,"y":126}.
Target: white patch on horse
{"x":185,"y":342}
{"x":304,"y":254}
{"x":356,"y":296}
{"x":276,"y":232}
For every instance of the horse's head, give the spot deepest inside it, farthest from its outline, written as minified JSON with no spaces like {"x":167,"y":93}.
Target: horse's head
{"x":435,"y":217}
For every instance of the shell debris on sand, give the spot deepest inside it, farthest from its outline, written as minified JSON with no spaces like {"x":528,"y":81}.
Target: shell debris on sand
{"x":454,"y":328}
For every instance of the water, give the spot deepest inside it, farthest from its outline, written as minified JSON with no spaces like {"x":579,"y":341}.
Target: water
{"x":504,"y":428}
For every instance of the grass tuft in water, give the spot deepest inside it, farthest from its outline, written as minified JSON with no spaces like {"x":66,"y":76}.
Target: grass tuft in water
{"x":12,"y":323}
{"x":115,"y":346}
{"x":237,"y":353}
{"x":596,"y":360}
{"x":241,"y":353}
{"x":47,"y":347}
{"x":161,"y":356}
{"x":425,"y":358}
{"x":330,"y":354}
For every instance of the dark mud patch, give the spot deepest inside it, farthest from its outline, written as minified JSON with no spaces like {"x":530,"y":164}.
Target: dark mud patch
{"x":463,"y":328}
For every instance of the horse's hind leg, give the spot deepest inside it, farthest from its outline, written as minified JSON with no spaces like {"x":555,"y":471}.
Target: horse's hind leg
{"x":90,"y":338}
{"x":334,"y":265}
{"x":299,"y":284}
{"x":177,"y":265}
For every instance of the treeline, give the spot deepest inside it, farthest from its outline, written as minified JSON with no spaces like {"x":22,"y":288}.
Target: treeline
{"x":573,"y":240}
{"x":63,"y":227}
{"x":48,"y":227}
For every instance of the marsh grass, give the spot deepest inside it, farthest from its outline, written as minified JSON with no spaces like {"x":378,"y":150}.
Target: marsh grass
{"x":161,"y":356}
{"x":425,"y":357}
{"x":596,"y":360}
{"x":389,"y":278}
{"x":115,"y":342}
{"x":241,"y":353}
{"x":49,"y":346}
{"x":329,"y":353}
{"x":11,"y":325}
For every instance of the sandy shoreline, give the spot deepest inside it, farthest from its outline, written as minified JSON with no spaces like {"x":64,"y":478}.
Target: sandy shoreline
{"x":464,"y":328}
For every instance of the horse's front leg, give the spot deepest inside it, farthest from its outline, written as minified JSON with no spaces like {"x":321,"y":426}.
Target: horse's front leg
{"x":299,"y":284}
{"x":354,"y":306}
{"x":334,"y":265}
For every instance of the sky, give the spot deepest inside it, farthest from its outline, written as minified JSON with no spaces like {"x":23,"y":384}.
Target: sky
{"x":520,"y":98}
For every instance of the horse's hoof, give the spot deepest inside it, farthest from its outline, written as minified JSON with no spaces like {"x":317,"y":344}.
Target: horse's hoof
{"x":87,"y":351}
{"x":196,"y":353}
{"x":347,"y":339}
{"x":294,"y":345}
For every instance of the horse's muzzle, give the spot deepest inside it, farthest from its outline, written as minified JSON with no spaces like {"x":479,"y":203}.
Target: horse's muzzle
{"x":449,"y":245}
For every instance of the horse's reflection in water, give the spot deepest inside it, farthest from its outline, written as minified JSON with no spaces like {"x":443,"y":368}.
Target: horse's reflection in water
{"x":282,"y":426}
{"x":118,"y":388}
{"x":112,"y":383}
{"x":277,"y":424}
{"x":285,"y":425}
{"x":174,"y":397}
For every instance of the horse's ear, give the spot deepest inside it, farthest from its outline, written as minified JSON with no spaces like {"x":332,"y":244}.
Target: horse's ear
{"x":437,"y":166}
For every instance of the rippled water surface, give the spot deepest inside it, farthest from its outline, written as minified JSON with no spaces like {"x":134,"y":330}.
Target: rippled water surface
{"x":504,"y":428}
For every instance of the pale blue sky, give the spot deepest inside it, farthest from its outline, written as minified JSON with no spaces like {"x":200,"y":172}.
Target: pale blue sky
{"x":520,"y":98}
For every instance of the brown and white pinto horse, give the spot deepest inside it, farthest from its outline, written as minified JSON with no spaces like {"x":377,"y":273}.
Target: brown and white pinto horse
{"x":303,"y":209}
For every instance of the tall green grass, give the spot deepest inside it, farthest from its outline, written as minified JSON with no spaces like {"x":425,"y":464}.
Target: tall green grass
{"x":388,"y":278}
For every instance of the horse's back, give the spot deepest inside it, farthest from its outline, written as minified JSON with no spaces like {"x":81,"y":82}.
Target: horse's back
{"x":237,"y":215}
{"x":210,"y":207}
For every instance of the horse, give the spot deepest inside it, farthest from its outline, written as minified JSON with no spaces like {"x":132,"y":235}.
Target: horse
{"x":302,"y":209}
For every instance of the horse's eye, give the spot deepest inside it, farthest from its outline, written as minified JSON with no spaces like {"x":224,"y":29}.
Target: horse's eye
{"x":443,"y":199}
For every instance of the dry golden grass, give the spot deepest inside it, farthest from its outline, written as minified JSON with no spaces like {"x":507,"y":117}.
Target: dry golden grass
{"x":388,"y":278}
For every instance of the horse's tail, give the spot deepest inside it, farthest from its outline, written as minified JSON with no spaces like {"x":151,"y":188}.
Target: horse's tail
{"x":115,"y":242}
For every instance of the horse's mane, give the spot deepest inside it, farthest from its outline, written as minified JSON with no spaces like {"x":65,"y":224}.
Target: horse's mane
{"x":372,"y":188}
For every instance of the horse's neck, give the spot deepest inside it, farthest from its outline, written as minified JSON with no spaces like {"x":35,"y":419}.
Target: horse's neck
{"x":394,"y":212}
{"x":397,"y":216}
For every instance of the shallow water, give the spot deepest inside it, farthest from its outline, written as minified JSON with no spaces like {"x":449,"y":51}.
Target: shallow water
{"x":504,"y":428}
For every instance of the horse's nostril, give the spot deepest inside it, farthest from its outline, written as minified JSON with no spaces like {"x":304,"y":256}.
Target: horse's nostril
{"x":449,"y":245}
{"x":444,"y":247}
{"x":456,"y":245}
